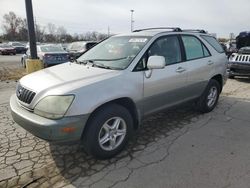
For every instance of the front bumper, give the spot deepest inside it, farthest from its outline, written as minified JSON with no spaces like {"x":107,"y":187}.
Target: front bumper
{"x":8,"y":52}
{"x":48,"y":129}
{"x":239,"y":69}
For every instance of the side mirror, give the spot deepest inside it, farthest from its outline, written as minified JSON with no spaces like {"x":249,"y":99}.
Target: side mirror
{"x":156,"y":62}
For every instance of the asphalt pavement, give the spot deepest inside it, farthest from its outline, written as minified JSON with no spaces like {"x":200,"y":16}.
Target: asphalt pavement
{"x":10,"y":61}
{"x":178,"y":148}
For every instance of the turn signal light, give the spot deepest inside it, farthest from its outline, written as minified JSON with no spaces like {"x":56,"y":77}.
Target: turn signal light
{"x":68,"y":129}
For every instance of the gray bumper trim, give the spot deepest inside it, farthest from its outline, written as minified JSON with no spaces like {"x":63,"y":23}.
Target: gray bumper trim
{"x":46,"y":128}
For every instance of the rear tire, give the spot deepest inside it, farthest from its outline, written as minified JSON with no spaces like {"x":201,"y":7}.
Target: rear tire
{"x":108,"y":131}
{"x":209,"y":99}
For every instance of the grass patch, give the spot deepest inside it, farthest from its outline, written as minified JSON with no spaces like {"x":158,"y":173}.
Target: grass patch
{"x":12,"y":73}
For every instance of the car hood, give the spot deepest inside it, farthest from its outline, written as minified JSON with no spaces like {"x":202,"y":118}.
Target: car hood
{"x":67,"y":75}
{"x":244,"y":50}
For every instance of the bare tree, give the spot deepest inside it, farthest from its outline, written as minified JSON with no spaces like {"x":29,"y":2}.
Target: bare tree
{"x":76,"y":37}
{"x":23,"y":30}
{"x":61,"y":34}
{"x":40,"y":32}
{"x":11,"y":24}
{"x":15,"y":28}
{"x":51,"y":28}
{"x":95,"y":36}
{"x":61,"y":30}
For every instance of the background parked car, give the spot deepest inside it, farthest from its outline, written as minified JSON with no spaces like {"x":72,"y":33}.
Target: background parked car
{"x":239,"y":62}
{"x":50,"y":55}
{"x":27,"y":45}
{"x":76,"y":49}
{"x":19,"y":47}
{"x":231,"y":48}
{"x":223,"y":46}
{"x":6,"y":49}
{"x":63,"y":46}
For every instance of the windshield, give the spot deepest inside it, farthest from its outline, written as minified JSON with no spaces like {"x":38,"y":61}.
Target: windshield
{"x":16,"y":44}
{"x":51,"y":49}
{"x":77,"y":46}
{"x":116,"y":52}
{"x":5,"y":46}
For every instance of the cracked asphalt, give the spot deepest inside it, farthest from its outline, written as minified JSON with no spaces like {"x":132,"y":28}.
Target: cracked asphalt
{"x":178,"y":148}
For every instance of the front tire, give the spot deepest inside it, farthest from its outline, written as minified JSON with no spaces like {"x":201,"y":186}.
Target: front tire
{"x":209,"y":98}
{"x":108,"y":131}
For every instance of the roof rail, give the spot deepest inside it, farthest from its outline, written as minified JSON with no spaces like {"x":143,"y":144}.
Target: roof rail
{"x":195,"y":30}
{"x":176,"y":29}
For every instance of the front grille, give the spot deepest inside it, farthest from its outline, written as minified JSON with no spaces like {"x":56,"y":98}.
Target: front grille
{"x":242,"y":58}
{"x":24,"y":94}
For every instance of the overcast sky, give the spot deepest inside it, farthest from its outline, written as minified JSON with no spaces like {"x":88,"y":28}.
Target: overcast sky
{"x":79,"y":16}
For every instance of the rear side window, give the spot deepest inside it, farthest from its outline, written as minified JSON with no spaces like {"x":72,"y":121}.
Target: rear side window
{"x":194,"y":48}
{"x":206,"y":52}
{"x":214,"y":43}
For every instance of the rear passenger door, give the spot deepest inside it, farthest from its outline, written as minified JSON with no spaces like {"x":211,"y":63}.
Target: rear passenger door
{"x":200,"y":65}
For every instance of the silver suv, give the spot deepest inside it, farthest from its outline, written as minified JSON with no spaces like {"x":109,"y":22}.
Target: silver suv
{"x":103,"y":96}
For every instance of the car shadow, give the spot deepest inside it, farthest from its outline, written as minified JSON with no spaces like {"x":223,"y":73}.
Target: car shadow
{"x":73,"y":166}
{"x":73,"y":162}
{"x":243,"y":79}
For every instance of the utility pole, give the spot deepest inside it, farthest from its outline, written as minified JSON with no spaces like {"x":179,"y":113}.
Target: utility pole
{"x":31,"y":29}
{"x":32,"y":63}
{"x":108,"y":31}
{"x":132,"y":20}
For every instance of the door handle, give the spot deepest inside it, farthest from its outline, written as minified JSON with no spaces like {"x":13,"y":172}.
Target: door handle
{"x":210,"y":62}
{"x":180,"y":70}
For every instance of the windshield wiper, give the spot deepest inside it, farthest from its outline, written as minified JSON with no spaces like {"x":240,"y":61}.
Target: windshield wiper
{"x":106,"y":59}
{"x":85,"y":62}
{"x":72,"y":59}
{"x":100,"y":65}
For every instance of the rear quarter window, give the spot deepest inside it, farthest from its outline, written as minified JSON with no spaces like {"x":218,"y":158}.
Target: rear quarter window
{"x":213,"y":42}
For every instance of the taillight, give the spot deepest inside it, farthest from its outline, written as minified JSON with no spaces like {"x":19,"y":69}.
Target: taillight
{"x":47,"y":56}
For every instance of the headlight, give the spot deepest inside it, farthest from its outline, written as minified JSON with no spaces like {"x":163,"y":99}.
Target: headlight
{"x":53,"y":107}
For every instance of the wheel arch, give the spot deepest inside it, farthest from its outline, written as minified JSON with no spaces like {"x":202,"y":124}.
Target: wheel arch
{"x":219,"y":79}
{"x":126,"y":102}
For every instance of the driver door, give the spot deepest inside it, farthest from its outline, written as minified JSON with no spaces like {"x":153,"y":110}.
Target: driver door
{"x":165,"y":87}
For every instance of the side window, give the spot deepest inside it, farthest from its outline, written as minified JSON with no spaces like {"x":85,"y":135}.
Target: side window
{"x":214,"y":43}
{"x":206,"y":52}
{"x":193,"y":47}
{"x":167,"y":47}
